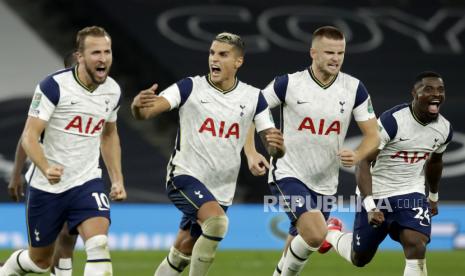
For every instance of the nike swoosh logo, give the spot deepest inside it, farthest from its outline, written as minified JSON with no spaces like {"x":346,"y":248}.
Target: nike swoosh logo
{"x":301,"y":102}
{"x":74,"y":102}
{"x":403,"y":139}
{"x":204,"y":101}
{"x":422,"y":224}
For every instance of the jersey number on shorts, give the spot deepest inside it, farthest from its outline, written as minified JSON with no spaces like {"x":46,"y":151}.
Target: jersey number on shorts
{"x":102,"y":201}
{"x":421,"y":215}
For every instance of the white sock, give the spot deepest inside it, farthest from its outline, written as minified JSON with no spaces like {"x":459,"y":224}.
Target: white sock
{"x":203,"y":254}
{"x":64,"y":267}
{"x":20,"y":265}
{"x":98,"y":257}
{"x":296,"y":256}
{"x":279,"y":267}
{"x":213,"y":231}
{"x":341,"y":242}
{"x":415,"y":267}
{"x":174,"y":264}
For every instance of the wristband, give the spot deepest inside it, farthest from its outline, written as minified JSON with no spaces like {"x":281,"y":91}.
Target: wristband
{"x":369,"y":203}
{"x":433,"y":196}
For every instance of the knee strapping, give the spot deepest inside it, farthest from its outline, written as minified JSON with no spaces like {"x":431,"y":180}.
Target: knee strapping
{"x":215,"y":228}
{"x":25,"y":263}
{"x":178,"y":259}
{"x":97,"y":248}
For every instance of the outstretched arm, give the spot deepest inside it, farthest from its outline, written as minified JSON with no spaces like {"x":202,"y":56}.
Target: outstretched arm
{"x":15,"y":186}
{"x":433,"y":173}
{"x":111,"y":154}
{"x":148,"y":105}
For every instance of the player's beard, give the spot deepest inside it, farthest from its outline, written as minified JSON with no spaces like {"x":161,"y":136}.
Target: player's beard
{"x":326,"y":73}
{"x":92,"y":74}
{"x":329,"y":73}
{"x":421,"y":112}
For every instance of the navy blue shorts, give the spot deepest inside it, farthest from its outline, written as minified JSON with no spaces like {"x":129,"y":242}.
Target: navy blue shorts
{"x":298,"y":199}
{"x":188,"y":194}
{"x":410,"y":211}
{"x":47,"y":212}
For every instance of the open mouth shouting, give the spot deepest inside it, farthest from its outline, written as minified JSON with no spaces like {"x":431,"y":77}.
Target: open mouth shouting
{"x":101,"y":71}
{"x":215,"y":71}
{"x":433,"y":106}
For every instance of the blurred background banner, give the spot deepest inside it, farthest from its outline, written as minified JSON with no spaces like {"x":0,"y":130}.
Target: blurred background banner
{"x":154,"y":226}
{"x":388,"y":44}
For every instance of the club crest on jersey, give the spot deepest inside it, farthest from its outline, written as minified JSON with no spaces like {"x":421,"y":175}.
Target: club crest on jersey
{"x":410,"y":157}
{"x":323,"y":127}
{"x":209,"y":126}
{"x":342,"y":103}
{"x":91,"y":127}
{"x":107,"y":102}
{"x":37,"y":234}
{"x":242,"y":109}
{"x":436,"y":144}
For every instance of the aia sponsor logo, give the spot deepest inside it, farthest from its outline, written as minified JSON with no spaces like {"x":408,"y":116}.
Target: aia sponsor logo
{"x":222,"y":130}
{"x":85,"y":125}
{"x":411,"y":157}
{"x":321,"y":127}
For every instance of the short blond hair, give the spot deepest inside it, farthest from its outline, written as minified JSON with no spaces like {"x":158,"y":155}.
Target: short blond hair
{"x":232,"y":39}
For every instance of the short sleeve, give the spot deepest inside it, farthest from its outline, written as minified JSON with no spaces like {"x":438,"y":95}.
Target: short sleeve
{"x":363,"y":107}
{"x":275,"y":92}
{"x":261,"y":104}
{"x":114,"y":113}
{"x":178,"y":93}
{"x":443,"y":147}
{"x":45,"y":99}
{"x":264,"y":120}
{"x":383,"y":135}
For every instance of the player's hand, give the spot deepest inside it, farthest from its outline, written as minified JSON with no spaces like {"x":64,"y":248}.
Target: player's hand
{"x":375,"y":217}
{"x":348,"y":157}
{"x":434,"y":207}
{"x":118,"y":192}
{"x":257,"y":164}
{"x":146,"y":98}
{"x":275,"y":141}
{"x":15,"y":188}
{"x":54,"y":173}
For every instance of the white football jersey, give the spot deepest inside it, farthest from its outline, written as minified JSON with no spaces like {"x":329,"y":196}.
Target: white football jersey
{"x":212,"y":131}
{"x":314,"y":122}
{"x":75,"y":119}
{"x":406,"y":144}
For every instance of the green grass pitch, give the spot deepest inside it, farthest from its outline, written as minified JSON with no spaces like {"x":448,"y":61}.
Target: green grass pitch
{"x":258,"y":263}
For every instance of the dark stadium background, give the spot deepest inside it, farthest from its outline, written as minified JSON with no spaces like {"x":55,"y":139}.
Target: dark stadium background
{"x":162,"y":41}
